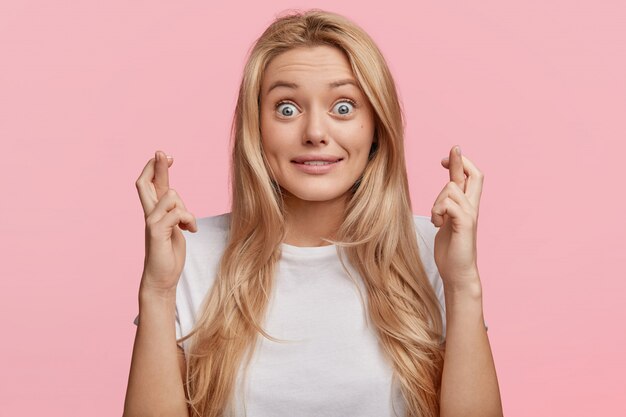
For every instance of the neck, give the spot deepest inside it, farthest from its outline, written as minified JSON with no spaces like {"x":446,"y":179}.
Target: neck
{"x":307,"y":222}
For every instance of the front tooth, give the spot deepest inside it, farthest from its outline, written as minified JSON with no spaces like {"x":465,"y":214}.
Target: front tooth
{"x":317,"y":163}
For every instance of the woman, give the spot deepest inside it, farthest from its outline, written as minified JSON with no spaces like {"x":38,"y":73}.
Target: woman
{"x":267,"y":297}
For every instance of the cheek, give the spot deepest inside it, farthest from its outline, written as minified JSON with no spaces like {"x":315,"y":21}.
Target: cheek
{"x":272,"y":146}
{"x":359,"y":137}
{"x":270,"y":140}
{"x":277,"y":138}
{"x":268,"y":134}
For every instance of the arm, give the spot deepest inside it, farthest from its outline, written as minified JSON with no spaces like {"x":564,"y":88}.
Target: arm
{"x":469,"y":385}
{"x":155,"y":383}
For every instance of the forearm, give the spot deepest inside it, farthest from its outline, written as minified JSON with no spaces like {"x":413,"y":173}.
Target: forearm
{"x":155,"y":386}
{"x":469,"y":384}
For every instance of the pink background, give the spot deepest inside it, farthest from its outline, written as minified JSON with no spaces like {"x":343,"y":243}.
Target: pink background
{"x":533,"y":91}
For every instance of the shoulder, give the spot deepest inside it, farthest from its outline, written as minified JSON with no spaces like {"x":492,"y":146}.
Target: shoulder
{"x":204,"y":250}
{"x":205,"y":247}
{"x":219,"y":223}
{"x":426,"y":231}
{"x":212,"y":231}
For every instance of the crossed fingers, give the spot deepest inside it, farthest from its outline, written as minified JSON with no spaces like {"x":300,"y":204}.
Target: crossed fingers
{"x":460,"y":197}
{"x":461,"y":166}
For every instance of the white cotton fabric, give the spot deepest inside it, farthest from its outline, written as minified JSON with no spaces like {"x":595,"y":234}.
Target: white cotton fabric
{"x":333,"y":365}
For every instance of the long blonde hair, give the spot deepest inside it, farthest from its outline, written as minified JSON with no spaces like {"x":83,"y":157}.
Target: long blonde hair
{"x":377,"y":236}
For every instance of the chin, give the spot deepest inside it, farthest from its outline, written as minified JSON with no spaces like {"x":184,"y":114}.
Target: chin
{"x":317,"y":195}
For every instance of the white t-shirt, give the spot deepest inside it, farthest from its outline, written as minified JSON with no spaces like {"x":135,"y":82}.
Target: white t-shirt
{"x":333,"y":365}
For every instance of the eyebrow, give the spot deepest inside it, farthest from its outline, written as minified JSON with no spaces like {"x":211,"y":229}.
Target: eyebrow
{"x":295,"y":86}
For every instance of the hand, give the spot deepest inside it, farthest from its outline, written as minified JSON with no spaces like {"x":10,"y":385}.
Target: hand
{"x":164,"y":212}
{"x":455,"y":212}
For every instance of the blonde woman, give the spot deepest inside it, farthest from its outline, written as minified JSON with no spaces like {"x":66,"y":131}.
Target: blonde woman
{"x":320,"y":293}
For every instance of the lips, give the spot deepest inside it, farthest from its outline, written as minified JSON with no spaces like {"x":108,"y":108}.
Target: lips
{"x":316,"y":164}
{"x":316,"y":159}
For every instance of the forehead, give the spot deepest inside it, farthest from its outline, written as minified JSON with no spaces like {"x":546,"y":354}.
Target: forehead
{"x":308,"y":66}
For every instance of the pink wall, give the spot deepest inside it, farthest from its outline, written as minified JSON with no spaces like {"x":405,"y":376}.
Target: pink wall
{"x":533,"y":91}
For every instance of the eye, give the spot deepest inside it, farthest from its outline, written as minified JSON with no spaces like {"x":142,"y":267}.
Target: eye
{"x":343,"y":107}
{"x":286,"y":111}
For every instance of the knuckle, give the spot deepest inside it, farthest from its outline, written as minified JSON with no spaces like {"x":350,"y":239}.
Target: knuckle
{"x":150,"y":222}
{"x":452,"y":186}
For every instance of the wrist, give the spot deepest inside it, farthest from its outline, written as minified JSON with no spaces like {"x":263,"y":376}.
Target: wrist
{"x":148,"y":293}
{"x":156,"y":304}
{"x":470,"y":291}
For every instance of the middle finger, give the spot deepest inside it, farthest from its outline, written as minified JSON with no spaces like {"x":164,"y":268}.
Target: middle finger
{"x":161,"y":176}
{"x":456,"y":167}
{"x":474,"y":180}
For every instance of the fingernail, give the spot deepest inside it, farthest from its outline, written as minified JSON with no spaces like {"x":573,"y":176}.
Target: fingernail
{"x":157,"y":156}
{"x":458,"y":150}
{"x":444,"y":159}
{"x":170,"y":157}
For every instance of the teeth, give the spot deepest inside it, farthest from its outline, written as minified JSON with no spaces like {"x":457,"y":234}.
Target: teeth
{"x":317,"y":163}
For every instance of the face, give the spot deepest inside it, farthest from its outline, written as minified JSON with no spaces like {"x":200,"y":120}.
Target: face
{"x":317,"y":126}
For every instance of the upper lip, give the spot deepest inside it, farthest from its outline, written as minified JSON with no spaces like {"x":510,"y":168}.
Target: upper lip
{"x":327,"y":158}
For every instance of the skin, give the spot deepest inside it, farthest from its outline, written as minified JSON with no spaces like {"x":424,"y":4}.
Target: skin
{"x":317,"y":120}
{"x":315,"y":204}
{"x":455,"y":212}
{"x":157,"y":372}
{"x":469,"y":384}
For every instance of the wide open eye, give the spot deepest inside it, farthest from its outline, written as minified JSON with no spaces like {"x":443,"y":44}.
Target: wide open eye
{"x":286,"y":109}
{"x":343,"y":107}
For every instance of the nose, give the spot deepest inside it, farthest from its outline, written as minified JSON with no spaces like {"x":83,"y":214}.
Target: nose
{"x":315,"y":131}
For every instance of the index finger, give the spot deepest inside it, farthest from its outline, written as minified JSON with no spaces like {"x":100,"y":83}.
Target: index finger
{"x":146,"y":186}
{"x":455,"y":162}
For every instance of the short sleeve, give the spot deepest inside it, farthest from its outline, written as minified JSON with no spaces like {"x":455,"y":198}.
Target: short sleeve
{"x":426,"y":232}
{"x":204,"y":250}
